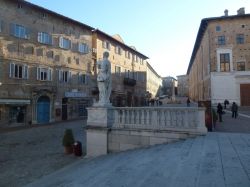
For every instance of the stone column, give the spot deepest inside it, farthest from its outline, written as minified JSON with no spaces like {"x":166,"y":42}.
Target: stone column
{"x":100,"y":119}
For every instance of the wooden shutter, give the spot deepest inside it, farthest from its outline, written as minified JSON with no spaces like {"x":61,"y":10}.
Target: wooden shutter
{"x":60,"y":75}
{"x":25,"y":72}
{"x":38,"y":73}
{"x":12,"y":29}
{"x":12,"y":70}
{"x":61,"y":42}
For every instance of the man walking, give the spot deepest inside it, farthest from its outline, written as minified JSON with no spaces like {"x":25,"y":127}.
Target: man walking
{"x":234,"y":110}
{"x":220,"y":111}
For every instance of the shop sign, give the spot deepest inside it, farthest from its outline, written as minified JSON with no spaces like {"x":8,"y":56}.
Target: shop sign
{"x":75,"y":94}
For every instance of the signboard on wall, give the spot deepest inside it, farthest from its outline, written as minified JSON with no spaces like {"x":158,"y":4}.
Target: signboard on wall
{"x":74,"y":94}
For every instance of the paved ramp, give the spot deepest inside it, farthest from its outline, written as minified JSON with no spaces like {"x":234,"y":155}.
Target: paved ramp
{"x":218,"y":159}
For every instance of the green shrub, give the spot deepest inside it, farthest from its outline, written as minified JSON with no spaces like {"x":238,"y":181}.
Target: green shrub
{"x":68,"y":138}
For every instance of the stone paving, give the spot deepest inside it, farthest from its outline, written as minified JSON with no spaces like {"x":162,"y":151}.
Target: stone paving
{"x":241,"y":124}
{"x":35,"y":155}
{"x":217,"y":159}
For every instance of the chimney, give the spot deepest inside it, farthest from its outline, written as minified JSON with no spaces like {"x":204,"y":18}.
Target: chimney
{"x":226,"y":12}
{"x":241,"y":11}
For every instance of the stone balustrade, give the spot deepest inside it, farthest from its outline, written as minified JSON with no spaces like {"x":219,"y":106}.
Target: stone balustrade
{"x":160,"y":118}
{"x":114,"y":129}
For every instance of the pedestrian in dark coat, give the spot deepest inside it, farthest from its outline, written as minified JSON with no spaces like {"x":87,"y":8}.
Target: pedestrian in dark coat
{"x":234,"y":110}
{"x":220,"y":111}
{"x":188,"y":102}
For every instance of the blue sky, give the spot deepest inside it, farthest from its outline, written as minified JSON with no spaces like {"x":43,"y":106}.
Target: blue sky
{"x":163,"y":30}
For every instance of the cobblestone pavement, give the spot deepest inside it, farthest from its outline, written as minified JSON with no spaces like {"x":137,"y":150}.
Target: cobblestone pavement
{"x":28,"y":154}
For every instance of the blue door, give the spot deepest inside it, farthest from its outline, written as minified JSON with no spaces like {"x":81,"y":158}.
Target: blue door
{"x":43,"y":109}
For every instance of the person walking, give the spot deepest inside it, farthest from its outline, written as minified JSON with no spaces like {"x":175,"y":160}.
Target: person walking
{"x":234,"y":110}
{"x":188,"y":102}
{"x":220,"y":111}
{"x":226,"y":102}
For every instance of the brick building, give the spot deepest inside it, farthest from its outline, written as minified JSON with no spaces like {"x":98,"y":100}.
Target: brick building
{"x":219,"y":68}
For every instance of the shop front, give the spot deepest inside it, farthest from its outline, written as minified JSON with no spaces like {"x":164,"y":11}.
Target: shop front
{"x":14,"y":112}
{"x":74,"y":105}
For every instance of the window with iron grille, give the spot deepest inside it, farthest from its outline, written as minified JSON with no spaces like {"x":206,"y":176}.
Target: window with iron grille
{"x":240,"y":38}
{"x":221,"y":40}
{"x":218,"y":28}
{"x":241,"y":66}
{"x":224,"y":62}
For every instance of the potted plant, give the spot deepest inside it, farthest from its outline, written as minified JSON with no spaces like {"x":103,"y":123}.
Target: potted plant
{"x":68,"y":140}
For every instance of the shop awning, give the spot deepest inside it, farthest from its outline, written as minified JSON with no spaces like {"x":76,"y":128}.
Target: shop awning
{"x":15,"y":101}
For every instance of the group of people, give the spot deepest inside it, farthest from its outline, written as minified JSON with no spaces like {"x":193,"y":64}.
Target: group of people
{"x":234,"y":109}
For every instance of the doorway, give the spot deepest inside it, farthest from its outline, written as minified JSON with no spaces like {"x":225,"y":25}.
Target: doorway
{"x":43,"y":110}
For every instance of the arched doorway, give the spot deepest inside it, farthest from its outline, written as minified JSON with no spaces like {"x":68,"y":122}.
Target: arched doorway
{"x":43,"y":109}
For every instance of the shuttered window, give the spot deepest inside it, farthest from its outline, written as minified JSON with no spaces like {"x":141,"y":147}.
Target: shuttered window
{"x":20,"y":31}
{"x":64,"y":43}
{"x":18,"y":71}
{"x":64,"y":76}
{"x":44,"y":74}
{"x":44,"y":38}
{"x":83,"y":48}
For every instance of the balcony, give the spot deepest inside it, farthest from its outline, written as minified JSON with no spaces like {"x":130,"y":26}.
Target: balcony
{"x":129,"y":81}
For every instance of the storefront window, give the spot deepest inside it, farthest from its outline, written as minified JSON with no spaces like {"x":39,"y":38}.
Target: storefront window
{"x":17,"y":114}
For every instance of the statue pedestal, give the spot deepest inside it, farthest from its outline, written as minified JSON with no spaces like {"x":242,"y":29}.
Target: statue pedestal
{"x":100,"y":119}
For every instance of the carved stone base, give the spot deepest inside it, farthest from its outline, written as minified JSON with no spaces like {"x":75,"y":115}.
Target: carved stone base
{"x":98,"y":123}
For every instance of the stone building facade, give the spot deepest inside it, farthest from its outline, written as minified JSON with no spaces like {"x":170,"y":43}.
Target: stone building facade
{"x":169,"y":87}
{"x":154,"y":82}
{"x":219,"y":68}
{"x":128,"y":67}
{"x":45,"y":65}
{"x":182,"y":85}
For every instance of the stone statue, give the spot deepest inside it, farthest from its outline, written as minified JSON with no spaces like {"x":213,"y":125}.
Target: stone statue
{"x":104,"y":80}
